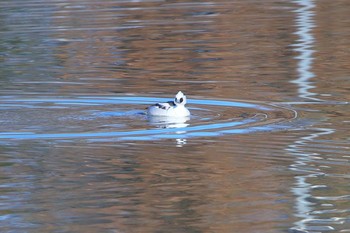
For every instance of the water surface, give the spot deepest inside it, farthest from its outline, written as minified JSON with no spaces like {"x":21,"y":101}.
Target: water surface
{"x":265,"y":150}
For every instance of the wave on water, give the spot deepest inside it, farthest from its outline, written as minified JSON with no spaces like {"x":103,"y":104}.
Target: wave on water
{"x":24,"y":119}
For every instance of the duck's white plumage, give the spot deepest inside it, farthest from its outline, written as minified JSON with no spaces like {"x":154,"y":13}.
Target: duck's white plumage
{"x":175,"y":108}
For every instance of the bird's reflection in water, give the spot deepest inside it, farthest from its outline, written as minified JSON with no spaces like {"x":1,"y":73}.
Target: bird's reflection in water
{"x":169,"y":122}
{"x":172,"y":123}
{"x":180,"y":142}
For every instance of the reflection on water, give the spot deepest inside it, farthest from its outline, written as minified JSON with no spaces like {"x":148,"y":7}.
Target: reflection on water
{"x":305,"y":206}
{"x":169,"y":122}
{"x":260,"y":153}
{"x":212,"y":118}
{"x":304,"y":46}
{"x":309,"y":208}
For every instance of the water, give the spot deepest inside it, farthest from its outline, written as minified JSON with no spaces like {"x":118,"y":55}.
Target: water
{"x":265,"y":150}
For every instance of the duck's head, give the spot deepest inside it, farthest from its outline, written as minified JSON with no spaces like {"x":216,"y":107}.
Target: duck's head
{"x":180,"y":99}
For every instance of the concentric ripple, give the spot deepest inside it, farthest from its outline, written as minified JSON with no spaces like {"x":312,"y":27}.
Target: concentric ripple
{"x":124,"y":118}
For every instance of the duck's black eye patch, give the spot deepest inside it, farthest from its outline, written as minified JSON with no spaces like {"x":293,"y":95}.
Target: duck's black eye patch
{"x":181,"y":100}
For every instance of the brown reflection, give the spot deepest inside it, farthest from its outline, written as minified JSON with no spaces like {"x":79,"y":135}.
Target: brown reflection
{"x":146,"y":187}
{"x":332,"y":57}
{"x":236,"y":183}
{"x":216,"y":49}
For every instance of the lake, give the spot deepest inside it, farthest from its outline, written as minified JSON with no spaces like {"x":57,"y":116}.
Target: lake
{"x":266,"y":148}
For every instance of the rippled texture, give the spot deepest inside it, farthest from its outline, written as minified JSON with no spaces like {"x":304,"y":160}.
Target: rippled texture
{"x":266,"y":149}
{"x":225,"y":117}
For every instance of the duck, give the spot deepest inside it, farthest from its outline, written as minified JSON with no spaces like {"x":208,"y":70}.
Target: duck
{"x":174,"y":108}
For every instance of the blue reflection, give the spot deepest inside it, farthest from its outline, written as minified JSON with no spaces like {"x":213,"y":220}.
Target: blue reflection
{"x":149,"y":100}
{"x":133,"y":99}
{"x":304,"y":46}
{"x":180,"y":128}
{"x":302,"y":188}
{"x":151,"y":133}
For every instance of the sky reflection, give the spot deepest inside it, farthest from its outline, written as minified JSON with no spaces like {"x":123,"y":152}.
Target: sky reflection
{"x":302,"y":187}
{"x":304,"y":206}
{"x":304,"y":46}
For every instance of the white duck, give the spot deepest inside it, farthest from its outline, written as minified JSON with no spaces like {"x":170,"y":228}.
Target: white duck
{"x":175,"y":108}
